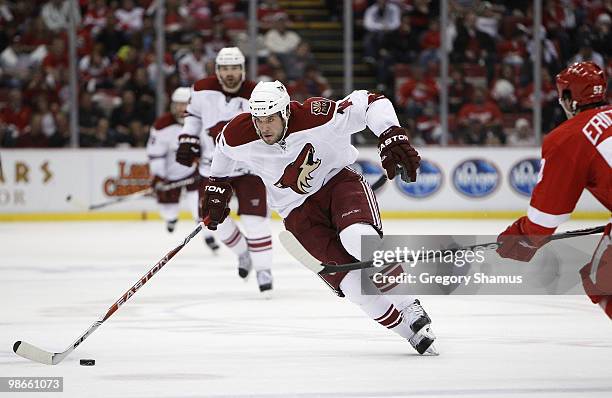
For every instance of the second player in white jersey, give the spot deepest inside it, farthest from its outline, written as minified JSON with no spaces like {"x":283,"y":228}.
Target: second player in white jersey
{"x":161,"y":151}
{"x":214,"y":101}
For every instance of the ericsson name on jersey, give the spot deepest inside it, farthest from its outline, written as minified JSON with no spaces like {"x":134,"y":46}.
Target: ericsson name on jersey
{"x":161,"y":149}
{"x":316,"y":146}
{"x":209,"y":110}
{"x":576,"y":155}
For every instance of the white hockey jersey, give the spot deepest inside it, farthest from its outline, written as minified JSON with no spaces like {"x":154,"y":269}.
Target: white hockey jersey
{"x":316,"y":147}
{"x":209,"y":110}
{"x":161,"y":149}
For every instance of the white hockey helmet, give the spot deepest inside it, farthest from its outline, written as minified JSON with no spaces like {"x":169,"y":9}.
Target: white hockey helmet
{"x":269,"y":98}
{"x":181,"y":94}
{"x":230,"y":56}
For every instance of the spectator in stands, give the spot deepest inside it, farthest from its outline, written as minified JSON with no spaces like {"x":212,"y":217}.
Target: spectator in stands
{"x":549,"y":100}
{"x":430,"y":43}
{"x":6,"y":16}
{"x":313,"y":84}
{"x":602,"y":35}
{"x":416,"y":92}
{"x":296,"y":65}
{"x":522,"y":135}
{"x":458,"y":90}
{"x":92,"y":123}
{"x":192,"y":65}
{"x":280,"y":41}
{"x":420,"y":15}
{"x":267,"y":13}
{"x":15,"y":117}
{"x":380,"y":20}
{"x":144,"y":95}
{"x":55,"y":14}
{"x":471,"y":45}
{"x":504,"y":91}
{"x":427,"y":125}
{"x":586,"y":53}
{"x":216,"y":42}
{"x":126,"y":126}
{"x":479,"y":120}
{"x":488,"y":19}
{"x":129,"y":17}
{"x":95,"y":70}
{"x":48,"y":126}
{"x":124,"y":65}
{"x":111,"y":37}
{"x":96,"y":15}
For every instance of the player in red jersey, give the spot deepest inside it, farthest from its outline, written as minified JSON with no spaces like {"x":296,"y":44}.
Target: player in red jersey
{"x":577,"y":155}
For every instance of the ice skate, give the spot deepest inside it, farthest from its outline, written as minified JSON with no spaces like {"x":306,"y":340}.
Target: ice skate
{"x":264,"y":280}
{"x":244,"y":265}
{"x":212,"y":244}
{"x":420,"y":324}
{"x":171,"y":225}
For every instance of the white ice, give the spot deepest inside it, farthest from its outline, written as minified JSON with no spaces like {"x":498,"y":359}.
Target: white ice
{"x":197,"y":330}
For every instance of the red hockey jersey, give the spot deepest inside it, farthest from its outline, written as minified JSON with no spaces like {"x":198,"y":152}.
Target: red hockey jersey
{"x":576,"y":155}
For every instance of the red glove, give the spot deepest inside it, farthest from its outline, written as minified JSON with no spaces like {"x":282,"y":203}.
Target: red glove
{"x":395,"y":151}
{"x":521,"y":240}
{"x":214,"y":202}
{"x":188,"y":150}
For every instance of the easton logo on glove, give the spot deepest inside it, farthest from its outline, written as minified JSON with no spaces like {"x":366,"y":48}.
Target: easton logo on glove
{"x":213,"y":188}
{"x":396,"y":153}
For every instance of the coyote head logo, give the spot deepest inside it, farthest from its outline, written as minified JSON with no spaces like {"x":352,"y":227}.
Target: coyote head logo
{"x":297,"y":174}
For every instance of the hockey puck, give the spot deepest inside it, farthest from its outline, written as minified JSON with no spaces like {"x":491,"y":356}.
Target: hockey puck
{"x":87,"y":362}
{"x":68,"y":198}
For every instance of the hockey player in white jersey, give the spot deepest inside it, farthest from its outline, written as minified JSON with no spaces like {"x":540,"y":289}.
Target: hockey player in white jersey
{"x":161,"y":150}
{"x":301,"y":152}
{"x":214,"y":101}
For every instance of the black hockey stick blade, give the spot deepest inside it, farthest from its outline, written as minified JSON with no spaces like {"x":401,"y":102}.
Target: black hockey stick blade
{"x":295,"y":248}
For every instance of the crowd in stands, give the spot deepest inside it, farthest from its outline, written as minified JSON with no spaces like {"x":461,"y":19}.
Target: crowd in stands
{"x":490,"y":48}
{"x":116,"y":63}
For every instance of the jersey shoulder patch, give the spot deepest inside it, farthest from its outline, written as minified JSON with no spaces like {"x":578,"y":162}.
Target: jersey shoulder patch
{"x":240,"y":130}
{"x":208,"y":83}
{"x":164,"y":121}
{"x":312,"y":113}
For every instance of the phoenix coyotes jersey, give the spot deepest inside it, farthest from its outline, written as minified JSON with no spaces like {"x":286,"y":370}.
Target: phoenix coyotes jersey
{"x":209,"y":110}
{"x":577,"y":155}
{"x":316,"y":147}
{"x":161,"y":149}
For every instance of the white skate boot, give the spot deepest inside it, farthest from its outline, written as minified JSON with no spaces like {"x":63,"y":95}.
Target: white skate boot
{"x":244,"y":265}
{"x":264,"y":280}
{"x":420,"y":324}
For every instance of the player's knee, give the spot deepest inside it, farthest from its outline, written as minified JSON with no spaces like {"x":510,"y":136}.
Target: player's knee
{"x":255,"y":225}
{"x":350,"y":237}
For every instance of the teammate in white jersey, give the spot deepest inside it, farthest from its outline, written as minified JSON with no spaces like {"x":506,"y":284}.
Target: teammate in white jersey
{"x":301,"y":152}
{"x":214,"y":101}
{"x":161,"y":150}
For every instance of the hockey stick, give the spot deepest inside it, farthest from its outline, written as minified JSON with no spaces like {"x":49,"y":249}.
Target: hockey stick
{"x":379,"y":183}
{"x":36,"y":354}
{"x":144,"y":192}
{"x":295,"y":248}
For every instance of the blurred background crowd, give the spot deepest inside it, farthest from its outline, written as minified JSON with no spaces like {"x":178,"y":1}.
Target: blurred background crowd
{"x":396,"y":51}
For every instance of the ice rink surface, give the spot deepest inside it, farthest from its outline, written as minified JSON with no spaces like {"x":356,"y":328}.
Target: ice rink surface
{"x":197,"y":330}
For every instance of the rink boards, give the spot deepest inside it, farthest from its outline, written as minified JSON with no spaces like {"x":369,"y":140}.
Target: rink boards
{"x":452,"y":183}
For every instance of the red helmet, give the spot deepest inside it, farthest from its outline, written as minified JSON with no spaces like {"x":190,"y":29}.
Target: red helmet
{"x":586,"y":82}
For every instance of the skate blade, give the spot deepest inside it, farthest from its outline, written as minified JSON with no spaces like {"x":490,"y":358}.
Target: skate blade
{"x":431,"y":351}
